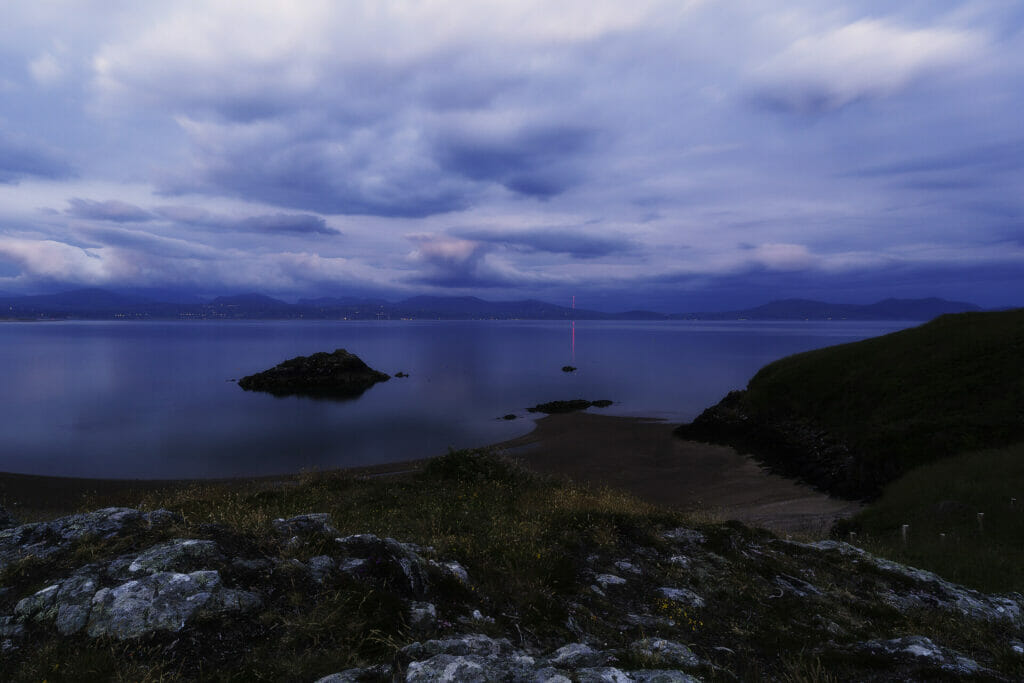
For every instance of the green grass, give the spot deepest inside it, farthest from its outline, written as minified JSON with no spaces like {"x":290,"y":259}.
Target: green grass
{"x":945,"y":497}
{"x":953,"y":385}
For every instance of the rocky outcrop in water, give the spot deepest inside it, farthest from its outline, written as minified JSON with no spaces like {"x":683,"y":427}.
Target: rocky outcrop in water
{"x":339,"y":374}
{"x":568,"y":406}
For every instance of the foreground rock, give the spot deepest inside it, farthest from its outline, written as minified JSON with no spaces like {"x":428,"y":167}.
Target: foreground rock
{"x":339,"y":374}
{"x":675,"y":604}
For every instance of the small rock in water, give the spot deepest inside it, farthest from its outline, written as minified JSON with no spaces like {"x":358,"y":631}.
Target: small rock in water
{"x":339,"y":374}
{"x":568,"y":368}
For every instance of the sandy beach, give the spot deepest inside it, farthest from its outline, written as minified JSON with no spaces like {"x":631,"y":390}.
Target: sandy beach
{"x":644,"y":457}
{"x":639,"y":455}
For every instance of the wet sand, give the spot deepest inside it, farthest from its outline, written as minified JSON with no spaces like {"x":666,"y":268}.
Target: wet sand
{"x":639,"y":455}
{"x":644,"y":457}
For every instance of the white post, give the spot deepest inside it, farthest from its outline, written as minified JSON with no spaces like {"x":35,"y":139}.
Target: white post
{"x":981,"y":522}
{"x":904,"y":530}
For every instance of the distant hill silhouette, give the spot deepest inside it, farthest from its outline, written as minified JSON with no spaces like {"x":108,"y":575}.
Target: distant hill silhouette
{"x":101,"y":304}
{"x":806,"y":309}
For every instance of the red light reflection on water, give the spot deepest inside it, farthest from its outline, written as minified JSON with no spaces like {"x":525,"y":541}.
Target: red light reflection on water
{"x":572,"y":333}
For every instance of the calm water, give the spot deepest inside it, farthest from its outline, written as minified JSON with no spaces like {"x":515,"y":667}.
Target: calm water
{"x":156,"y":400}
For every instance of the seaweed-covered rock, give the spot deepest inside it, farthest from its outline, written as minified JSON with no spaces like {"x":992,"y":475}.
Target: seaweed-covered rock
{"x":568,"y":406}
{"x":339,"y":374}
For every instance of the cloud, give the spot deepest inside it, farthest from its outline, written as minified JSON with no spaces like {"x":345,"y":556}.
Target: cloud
{"x":311,"y":166}
{"x":46,"y":70}
{"x":450,"y":262}
{"x":276,"y":223}
{"x":54,"y":260}
{"x":540,"y":162}
{"x":109,"y":210}
{"x":577,"y":244}
{"x":285,"y":223}
{"x":1006,"y":156}
{"x":22,"y":157}
{"x":865,"y":59}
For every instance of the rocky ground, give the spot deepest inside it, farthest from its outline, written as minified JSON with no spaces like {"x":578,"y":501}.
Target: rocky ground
{"x":170,"y":597}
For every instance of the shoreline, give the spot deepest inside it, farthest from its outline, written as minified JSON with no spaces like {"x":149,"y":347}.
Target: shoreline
{"x":638,"y":455}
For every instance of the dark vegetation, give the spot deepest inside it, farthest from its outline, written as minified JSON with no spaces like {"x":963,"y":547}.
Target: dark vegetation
{"x":928,"y":422}
{"x":339,"y":374}
{"x":852,"y":418}
{"x":940,"y":504}
{"x":770,"y":610}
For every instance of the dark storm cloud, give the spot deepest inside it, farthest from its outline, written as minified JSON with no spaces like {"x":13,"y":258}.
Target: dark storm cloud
{"x":540,"y":162}
{"x":286,"y":223}
{"x":277,"y":223}
{"x":109,"y":210}
{"x":22,"y":158}
{"x":576,"y":244}
{"x":311,"y":176}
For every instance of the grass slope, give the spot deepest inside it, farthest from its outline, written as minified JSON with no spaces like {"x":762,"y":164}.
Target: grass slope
{"x":939,"y":503}
{"x":953,"y":385}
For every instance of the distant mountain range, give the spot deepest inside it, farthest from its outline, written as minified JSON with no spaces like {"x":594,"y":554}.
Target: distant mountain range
{"x":100,"y":304}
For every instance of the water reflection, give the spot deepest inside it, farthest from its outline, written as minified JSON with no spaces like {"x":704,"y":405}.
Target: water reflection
{"x":139,"y":400}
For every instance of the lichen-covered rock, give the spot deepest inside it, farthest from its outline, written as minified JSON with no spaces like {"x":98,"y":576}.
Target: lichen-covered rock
{"x":321,"y":567}
{"x":398,"y":565}
{"x":179,"y":555}
{"x":341,"y":374}
{"x":664,"y":653}
{"x":685,"y":536}
{"x":605,"y":580}
{"x":682,"y":595}
{"x":454,"y":669}
{"x":469,"y":644}
{"x":452,"y":569}
{"x":920,"y":588}
{"x":922,"y":652}
{"x":576,"y":655}
{"x":662,"y":676}
{"x":164,"y":601}
{"x":422,"y":615}
{"x":305,"y":525}
{"x":367,"y":674}
{"x":44,"y":540}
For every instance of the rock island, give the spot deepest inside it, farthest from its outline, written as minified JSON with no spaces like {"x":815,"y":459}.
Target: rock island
{"x":337,"y":374}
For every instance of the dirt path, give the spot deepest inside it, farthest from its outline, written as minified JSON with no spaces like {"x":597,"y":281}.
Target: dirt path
{"x":645,"y":458}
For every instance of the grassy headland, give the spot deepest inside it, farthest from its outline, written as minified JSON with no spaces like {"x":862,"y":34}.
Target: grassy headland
{"x":928,"y":422}
{"x":853,"y":417}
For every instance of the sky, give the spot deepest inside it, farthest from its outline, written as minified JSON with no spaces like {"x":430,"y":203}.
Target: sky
{"x":674,"y":156}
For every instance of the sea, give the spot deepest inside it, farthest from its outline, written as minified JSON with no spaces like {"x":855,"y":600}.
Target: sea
{"x":160,"y":400}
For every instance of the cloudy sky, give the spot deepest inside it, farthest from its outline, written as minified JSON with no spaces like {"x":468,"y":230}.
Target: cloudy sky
{"x":678,"y":155}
